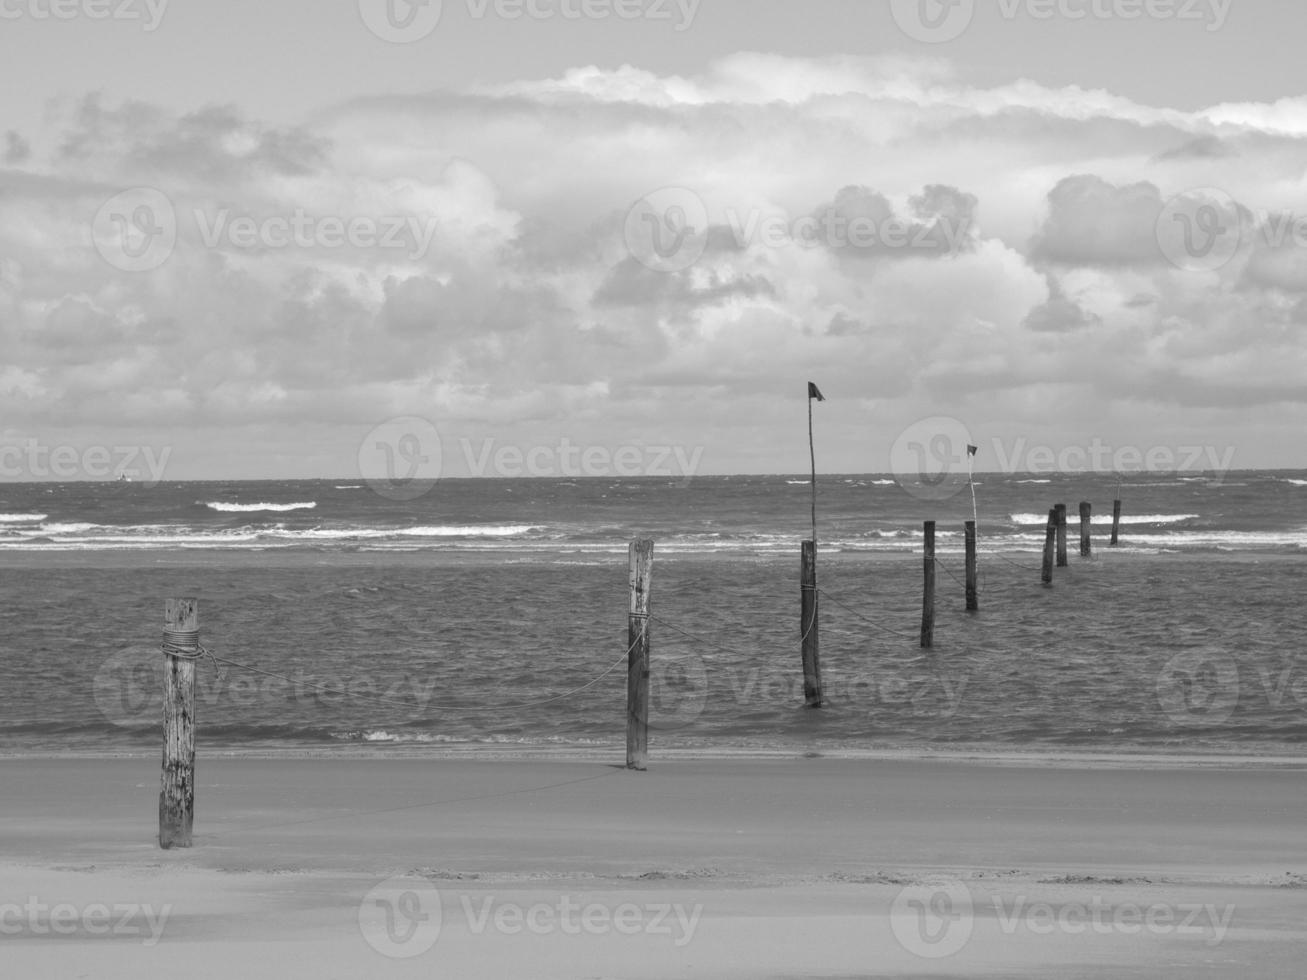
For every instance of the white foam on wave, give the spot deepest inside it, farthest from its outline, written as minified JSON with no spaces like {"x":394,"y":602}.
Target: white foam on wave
{"x":230,"y":508}
{"x":1034,"y":481}
{"x":1101,"y":518}
{"x":22,"y":518}
{"x":1297,"y":483}
{"x":434,"y":531}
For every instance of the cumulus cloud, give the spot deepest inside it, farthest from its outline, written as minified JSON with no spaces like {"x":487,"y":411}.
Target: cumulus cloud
{"x":1022,"y":266}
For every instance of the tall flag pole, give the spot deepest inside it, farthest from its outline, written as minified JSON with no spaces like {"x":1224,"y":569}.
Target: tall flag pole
{"x":813,"y":392}
{"x":971,"y":454}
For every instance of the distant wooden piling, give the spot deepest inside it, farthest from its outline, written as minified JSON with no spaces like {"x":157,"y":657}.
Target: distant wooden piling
{"x":973,"y":601}
{"x":928,"y":593}
{"x":1116,"y":522}
{"x":1061,"y":535}
{"x":810,"y":627}
{"x":1086,"y":516}
{"x":1050,"y":540}
{"x":177,"y":790}
{"x":637,"y":661}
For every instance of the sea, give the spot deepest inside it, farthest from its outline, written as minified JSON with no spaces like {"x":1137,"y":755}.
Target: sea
{"x":490,"y":616}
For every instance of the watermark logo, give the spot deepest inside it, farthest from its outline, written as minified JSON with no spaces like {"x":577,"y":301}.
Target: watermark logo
{"x":939,"y":21}
{"x":1200,"y":230}
{"x":678,"y":690}
{"x":933,"y":21}
{"x":412,"y":234}
{"x":568,"y":916}
{"x":667,"y":231}
{"x":929,"y":458}
{"x":400,"y":21}
{"x":401,"y":459}
{"x":128,"y":686}
{"x":1199,"y":687}
{"x":33,"y":459}
{"x":568,"y":459}
{"x":934,"y":920}
{"x":924,"y":694}
{"x":35,"y":917}
{"x":136,"y":230}
{"x":401,"y":918}
{"x":148,"y":12}
{"x":860,"y":233}
{"x":938,"y":919}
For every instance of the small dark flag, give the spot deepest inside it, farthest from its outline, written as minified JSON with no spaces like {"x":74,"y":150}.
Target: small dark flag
{"x":814,"y":392}
{"x":972,"y":450}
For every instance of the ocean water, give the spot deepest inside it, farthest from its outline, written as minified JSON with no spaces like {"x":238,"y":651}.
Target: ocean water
{"x":492,"y":614}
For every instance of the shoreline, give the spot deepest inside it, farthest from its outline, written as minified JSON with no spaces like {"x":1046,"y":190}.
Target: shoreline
{"x":1032,"y":758}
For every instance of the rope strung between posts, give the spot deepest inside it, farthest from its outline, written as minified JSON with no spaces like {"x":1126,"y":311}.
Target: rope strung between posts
{"x":870,"y":622}
{"x":196,"y":652}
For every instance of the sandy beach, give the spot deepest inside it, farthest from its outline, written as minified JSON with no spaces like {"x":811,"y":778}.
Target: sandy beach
{"x":361,"y":867}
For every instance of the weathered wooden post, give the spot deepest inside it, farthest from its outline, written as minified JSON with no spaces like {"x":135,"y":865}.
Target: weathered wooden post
{"x":1061,"y":535}
{"x":637,"y":659}
{"x":181,"y":647}
{"x":1086,"y":512}
{"x":973,"y":602}
{"x":808,"y":623}
{"x":928,"y":594}
{"x":1116,"y":521}
{"x":1050,"y":537}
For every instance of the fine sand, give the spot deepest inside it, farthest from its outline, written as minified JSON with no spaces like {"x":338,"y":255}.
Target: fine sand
{"x":748,"y":868}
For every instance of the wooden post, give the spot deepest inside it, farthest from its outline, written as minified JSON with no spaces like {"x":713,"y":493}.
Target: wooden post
{"x":1050,"y":538}
{"x":1061,"y":535}
{"x":1086,"y":510}
{"x":928,"y":594}
{"x":1116,"y":522}
{"x":637,"y":661}
{"x":177,"y":791}
{"x":808,"y":623}
{"x":973,"y":602}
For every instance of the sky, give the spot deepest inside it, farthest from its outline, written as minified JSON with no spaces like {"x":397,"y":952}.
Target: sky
{"x":297,"y":238}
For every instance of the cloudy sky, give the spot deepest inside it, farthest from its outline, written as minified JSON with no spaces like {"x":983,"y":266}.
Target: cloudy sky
{"x":269,"y":236}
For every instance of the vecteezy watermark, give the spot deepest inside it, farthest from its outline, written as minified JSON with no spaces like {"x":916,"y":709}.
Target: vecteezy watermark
{"x":832,"y":230}
{"x":933,"y":694}
{"x":33,"y":459}
{"x":412,"y":234}
{"x":939,"y":21}
{"x":401,"y":459}
{"x":1199,"y":687}
{"x":1204,"y":229}
{"x":568,"y":459}
{"x":127,"y":688}
{"x":137,"y":231}
{"x":403,"y":918}
{"x":35,"y":917}
{"x":1206,"y":686}
{"x":406,"y":21}
{"x":667,"y":231}
{"x":148,"y":12}
{"x":931,"y":458}
{"x":937,"y":919}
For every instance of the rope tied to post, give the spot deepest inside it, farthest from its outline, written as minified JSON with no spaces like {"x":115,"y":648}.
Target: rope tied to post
{"x":186,"y":645}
